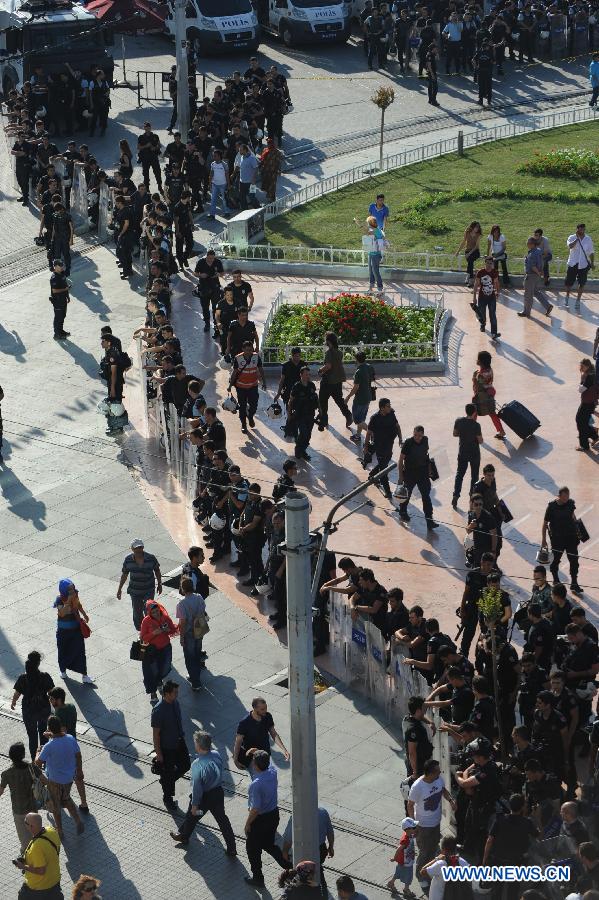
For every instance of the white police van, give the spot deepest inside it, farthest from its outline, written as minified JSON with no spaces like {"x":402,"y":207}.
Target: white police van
{"x":218,"y":26}
{"x":305,"y":21}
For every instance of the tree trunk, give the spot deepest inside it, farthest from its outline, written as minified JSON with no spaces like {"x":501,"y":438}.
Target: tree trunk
{"x":381,"y":144}
{"x":496,"y":693}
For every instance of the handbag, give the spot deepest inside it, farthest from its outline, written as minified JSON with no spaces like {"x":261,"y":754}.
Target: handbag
{"x":39,"y":787}
{"x":581,"y":531}
{"x":433,"y":471}
{"x":84,"y":627}
{"x":505,"y":513}
{"x":136,"y":652}
{"x":200,"y":626}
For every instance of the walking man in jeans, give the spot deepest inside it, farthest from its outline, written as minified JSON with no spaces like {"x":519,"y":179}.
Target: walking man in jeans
{"x":467,"y":429}
{"x":206,"y":794}
{"x":533,"y":280}
{"x":486,"y":292}
{"x":580,"y":259}
{"x":145,"y":579}
{"x":189,"y":608}
{"x":168,"y":737}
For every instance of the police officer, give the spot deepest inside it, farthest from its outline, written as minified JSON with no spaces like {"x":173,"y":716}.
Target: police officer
{"x":301,"y":409}
{"x":481,"y":780}
{"x":533,"y":679}
{"x":184,"y":229}
{"x":418,"y":748}
{"x":62,"y":236}
{"x":290,"y":374}
{"x":124,"y":236}
{"x":550,"y":732}
{"x":247,"y":372}
{"x":487,"y":488}
{"x":476,"y":582}
{"x":560,"y":520}
{"x":209,"y":270}
{"x":414,"y":471}
{"x":59,"y":297}
{"x":483,"y":61}
{"x":383,"y":428}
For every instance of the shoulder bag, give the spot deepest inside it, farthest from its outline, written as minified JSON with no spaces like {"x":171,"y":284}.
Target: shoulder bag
{"x":39,"y":787}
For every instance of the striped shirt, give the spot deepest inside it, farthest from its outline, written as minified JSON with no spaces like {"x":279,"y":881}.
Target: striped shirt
{"x":141,"y":577}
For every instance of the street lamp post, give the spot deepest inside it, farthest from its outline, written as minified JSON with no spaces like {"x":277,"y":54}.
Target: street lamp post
{"x":182,"y":73}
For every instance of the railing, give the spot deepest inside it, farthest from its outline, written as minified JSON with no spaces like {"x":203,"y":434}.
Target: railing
{"x":428,"y":260}
{"x":387,"y":351}
{"x":362,"y":661}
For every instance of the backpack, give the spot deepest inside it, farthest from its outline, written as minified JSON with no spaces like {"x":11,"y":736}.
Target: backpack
{"x":125,"y":361}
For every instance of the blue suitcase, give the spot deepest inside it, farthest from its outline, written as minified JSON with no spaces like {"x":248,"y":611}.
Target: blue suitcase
{"x":519,"y":419}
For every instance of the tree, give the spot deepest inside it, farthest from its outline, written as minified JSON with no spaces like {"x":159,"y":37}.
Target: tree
{"x":383,"y":98}
{"x":491,"y":607}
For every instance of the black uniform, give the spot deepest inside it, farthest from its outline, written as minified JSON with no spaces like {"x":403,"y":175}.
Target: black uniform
{"x":241,"y":292}
{"x":61,"y":238}
{"x":148,"y":151}
{"x":304,"y":403}
{"x":481,"y":808}
{"x":183,"y":232}
{"x":564,"y":537}
{"x":59,"y":301}
{"x":414,"y":732}
{"x":416,"y":473}
{"x":483,"y":60}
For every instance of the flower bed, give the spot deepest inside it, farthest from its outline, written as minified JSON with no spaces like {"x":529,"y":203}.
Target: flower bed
{"x":567,"y":162}
{"x":356,"y":319}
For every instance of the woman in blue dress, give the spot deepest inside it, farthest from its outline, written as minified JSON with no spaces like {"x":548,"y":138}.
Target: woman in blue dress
{"x":69,"y":634}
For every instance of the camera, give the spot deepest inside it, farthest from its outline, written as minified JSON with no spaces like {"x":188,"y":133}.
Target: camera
{"x":20,"y":860}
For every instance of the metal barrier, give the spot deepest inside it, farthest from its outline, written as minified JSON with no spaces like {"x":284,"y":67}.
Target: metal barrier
{"x":154,"y":86}
{"x":79,"y":204}
{"x":429,"y":260}
{"x":361,"y":660}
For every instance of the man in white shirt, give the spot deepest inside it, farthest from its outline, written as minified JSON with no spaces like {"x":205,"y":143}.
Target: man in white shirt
{"x":219,"y":183}
{"x":434,"y":869}
{"x":581,"y":258}
{"x":425,"y":805}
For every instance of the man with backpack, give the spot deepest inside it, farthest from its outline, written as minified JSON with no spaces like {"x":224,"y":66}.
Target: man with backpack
{"x":193,"y":625}
{"x":113,"y":367}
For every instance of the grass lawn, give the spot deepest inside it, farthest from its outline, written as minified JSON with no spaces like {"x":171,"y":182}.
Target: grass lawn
{"x":329,"y":221}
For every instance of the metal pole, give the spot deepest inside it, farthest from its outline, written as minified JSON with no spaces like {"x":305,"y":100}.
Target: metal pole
{"x":329,"y":526}
{"x":182,"y":85}
{"x":304,"y":782}
{"x":124,"y":58}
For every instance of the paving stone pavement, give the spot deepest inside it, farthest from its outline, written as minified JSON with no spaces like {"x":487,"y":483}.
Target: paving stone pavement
{"x":70,"y":507}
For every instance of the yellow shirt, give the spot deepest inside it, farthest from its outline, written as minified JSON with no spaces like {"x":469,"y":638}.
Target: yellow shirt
{"x":39,"y":853}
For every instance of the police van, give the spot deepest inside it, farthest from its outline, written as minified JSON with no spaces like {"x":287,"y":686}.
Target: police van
{"x":306,"y":21}
{"x":218,"y":26}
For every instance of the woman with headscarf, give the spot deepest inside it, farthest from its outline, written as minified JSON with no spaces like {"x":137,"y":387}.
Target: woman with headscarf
{"x":270,"y":169}
{"x":156,"y":631}
{"x":71,"y":623}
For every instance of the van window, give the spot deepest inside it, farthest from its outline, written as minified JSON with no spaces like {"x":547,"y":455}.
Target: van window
{"x":220,"y":8}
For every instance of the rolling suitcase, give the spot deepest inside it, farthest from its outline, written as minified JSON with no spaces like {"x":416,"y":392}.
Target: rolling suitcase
{"x":519,"y":419}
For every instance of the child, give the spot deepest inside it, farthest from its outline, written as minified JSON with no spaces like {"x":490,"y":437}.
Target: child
{"x":404,"y":857}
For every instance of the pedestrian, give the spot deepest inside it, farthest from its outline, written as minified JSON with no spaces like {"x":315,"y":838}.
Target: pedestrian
{"x":290,"y":375}
{"x":248,"y":172}
{"x":414,"y":469}
{"x":207,"y":794}
{"x":256,"y":730}
{"x":374,"y":27}
{"x":192,"y":569}
{"x":346,"y":889}
{"x":326,"y":843}
{"x":485,"y":295}
{"x":497,"y":249}
{"x":363,"y":391}
{"x":470,"y":244}
{"x":545,"y":248}
{"x":145,"y":579}
{"x":560,"y":520}
{"x":18,"y":778}
{"x":581,"y":258}
{"x":594,"y":79}
{"x":483,"y":65}
{"x":63,"y":235}
{"x":452,"y":35}
{"x":484,"y":392}
{"x":301,"y":409}
{"x":40,"y":862}
{"x":219,"y":183}
{"x":71,"y":630}
{"x":383,"y":429}
{"x":67,"y":713}
{"x":33,"y":687}
{"x":125,"y":159}
{"x":59,"y":298}
{"x":86,"y":888}
{"x":589,"y":395}
{"x":263,"y":816}
{"x":425,"y":806}
{"x":193,"y":625}
{"x":247,"y":372}
{"x":332,"y":374}
{"x":533,"y":266}
{"x":271,"y":160}
{"x":171,"y":753}
{"x":404,"y":858}
{"x":380,"y":211}
{"x":61,"y":756}
{"x":156,"y":631}
{"x":430,"y":64}
{"x":374,"y":243}
{"x":468,"y":430}
{"x":433,"y":871}
{"x":148,"y":154}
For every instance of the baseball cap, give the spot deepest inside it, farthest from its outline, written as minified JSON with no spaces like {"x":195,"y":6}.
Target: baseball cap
{"x":136,"y":544}
{"x":408,"y":823}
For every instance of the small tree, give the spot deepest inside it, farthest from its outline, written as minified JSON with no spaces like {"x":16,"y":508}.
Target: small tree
{"x":383,"y":97}
{"x":491,"y":607}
